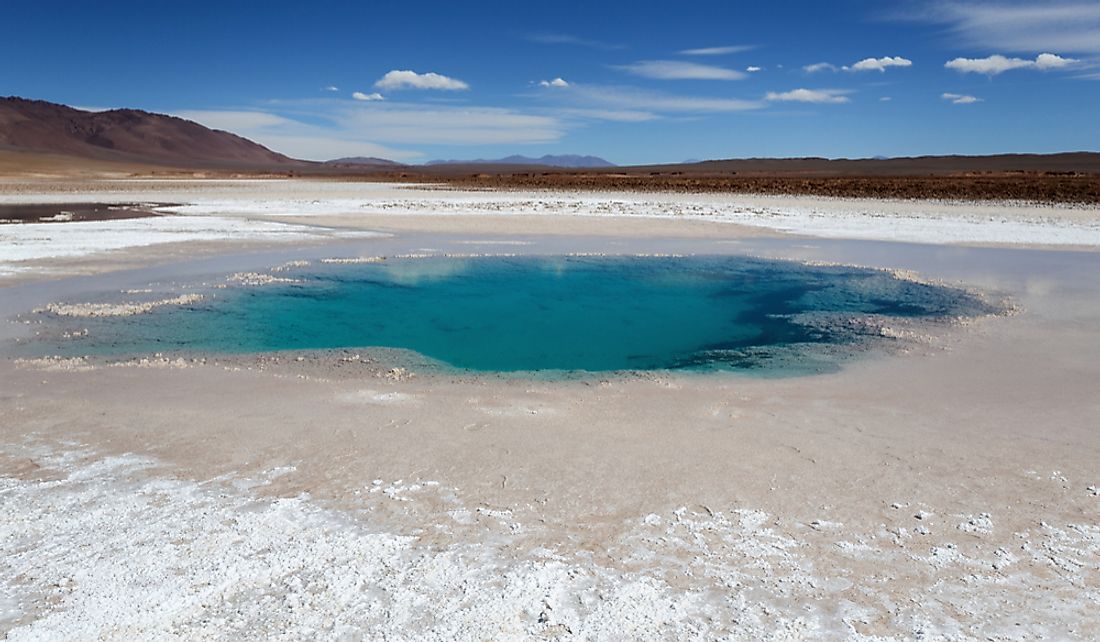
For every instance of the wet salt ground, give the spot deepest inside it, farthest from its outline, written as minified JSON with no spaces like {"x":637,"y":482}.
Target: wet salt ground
{"x":70,"y":212}
{"x":530,"y":314}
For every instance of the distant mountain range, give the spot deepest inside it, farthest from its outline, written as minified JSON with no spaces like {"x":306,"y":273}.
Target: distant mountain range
{"x":47,"y":135}
{"x":568,"y":160}
{"x":127,"y":135}
{"x":363,"y":161}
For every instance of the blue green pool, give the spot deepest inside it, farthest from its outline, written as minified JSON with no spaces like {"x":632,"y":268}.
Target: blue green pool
{"x":509,"y":314}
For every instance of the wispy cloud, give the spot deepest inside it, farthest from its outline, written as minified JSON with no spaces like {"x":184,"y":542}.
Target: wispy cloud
{"x":679,"y":70}
{"x":752,"y":69}
{"x":998,"y":64}
{"x":819,"y":96}
{"x":358,"y":95}
{"x":616,"y":115}
{"x":323,"y":129}
{"x":1062,"y":25}
{"x":880,"y":64}
{"x":293,"y":137}
{"x":960,"y":99}
{"x":635,"y":102}
{"x":232,"y":120}
{"x":405,"y":79}
{"x":717,"y":51}
{"x":570,"y":39}
{"x":330,"y":88}
{"x":442,"y":125}
{"x":557,"y":82}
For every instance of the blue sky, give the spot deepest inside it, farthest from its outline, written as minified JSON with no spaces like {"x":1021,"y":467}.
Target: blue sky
{"x":634,"y":82}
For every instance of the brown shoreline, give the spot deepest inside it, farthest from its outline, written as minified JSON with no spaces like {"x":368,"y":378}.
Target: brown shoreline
{"x":1043,"y":188}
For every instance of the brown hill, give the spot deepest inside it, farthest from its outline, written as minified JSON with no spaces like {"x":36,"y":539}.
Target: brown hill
{"x":128,"y":136}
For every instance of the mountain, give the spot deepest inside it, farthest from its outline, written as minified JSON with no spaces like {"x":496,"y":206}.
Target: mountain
{"x":364,"y":161}
{"x":569,"y":160}
{"x":127,"y":135}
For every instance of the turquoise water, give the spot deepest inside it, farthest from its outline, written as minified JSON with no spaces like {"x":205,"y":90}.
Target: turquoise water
{"x":547,"y":314}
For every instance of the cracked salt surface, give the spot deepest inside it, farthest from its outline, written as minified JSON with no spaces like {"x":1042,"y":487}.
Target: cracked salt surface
{"x":115,"y":548}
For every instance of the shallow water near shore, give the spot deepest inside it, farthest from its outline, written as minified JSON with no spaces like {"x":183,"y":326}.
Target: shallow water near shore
{"x":545,"y":314}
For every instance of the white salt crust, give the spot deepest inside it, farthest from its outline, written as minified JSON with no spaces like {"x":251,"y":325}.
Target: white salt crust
{"x":116,"y":548}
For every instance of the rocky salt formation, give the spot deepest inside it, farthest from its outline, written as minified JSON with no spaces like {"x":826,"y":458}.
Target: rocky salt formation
{"x":116,"y":309}
{"x":353,"y":260}
{"x":290,"y":265}
{"x":257,"y":278}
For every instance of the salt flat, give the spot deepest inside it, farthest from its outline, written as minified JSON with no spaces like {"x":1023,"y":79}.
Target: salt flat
{"x":949,"y":492}
{"x":270,"y":210}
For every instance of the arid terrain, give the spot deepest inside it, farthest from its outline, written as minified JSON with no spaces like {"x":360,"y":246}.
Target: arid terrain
{"x":922,"y":492}
{"x":941,"y":484}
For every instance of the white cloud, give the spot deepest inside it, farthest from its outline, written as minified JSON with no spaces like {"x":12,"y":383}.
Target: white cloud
{"x":1062,"y":25}
{"x":991,"y":65}
{"x":960,"y":99}
{"x":998,"y":64}
{"x":1046,"y":61}
{"x":679,"y":70}
{"x":885,"y":99}
{"x":717,"y":51}
{"x":358,"y":95}
{"x":753,"y":69}
{"x":331,"y":88}
{"x":880,"y":64}
{"x":557,"y":82}
{"x":867,"y":64}
{"x":821,"y":96}
{"x":405,"y":79}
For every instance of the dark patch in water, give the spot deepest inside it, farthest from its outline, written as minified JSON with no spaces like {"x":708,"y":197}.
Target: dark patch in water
{"x":74,"y":212}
